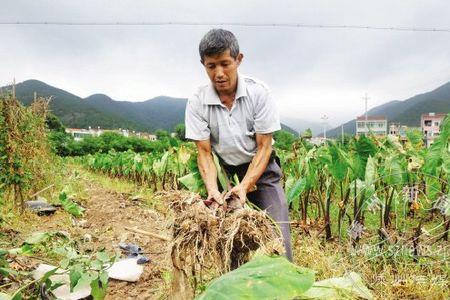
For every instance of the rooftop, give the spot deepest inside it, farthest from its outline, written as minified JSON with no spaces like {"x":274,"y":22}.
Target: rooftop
{"x":432,"y":114}
{"x":371,"y":118}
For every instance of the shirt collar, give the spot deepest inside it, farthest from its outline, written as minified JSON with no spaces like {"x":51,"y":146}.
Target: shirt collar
{"x":213,"y":99}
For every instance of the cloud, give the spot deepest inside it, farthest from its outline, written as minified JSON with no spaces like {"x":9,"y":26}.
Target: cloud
{"x":311,"y":71}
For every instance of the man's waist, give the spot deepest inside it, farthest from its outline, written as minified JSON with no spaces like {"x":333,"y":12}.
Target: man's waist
{"x":231,"y":169}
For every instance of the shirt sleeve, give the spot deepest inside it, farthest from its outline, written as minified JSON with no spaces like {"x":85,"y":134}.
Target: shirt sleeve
{"x":197,"y":128}
{"x":267,"y":119}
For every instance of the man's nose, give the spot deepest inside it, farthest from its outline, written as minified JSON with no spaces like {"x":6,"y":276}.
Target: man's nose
{"x":219,"y":72}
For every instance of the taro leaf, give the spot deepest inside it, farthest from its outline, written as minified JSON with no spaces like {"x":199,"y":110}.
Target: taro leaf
{"x":433,"y":187}
{"x":37,"y":237}
{"x":288,"y":184}
{"x":293,"y":194}
{"x":264,"y":277}
{"x":394,"y":172}
{"x":349,"y":286}
{"x":371,"y":171}
{"x":193,"y":182}
{"x":70,"y":206}
{"x":340,"y":163}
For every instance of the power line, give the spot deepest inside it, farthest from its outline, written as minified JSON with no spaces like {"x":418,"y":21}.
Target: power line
{"x":241,"y":24}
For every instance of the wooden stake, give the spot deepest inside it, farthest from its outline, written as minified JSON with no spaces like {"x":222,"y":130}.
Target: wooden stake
{"x":155,"y":235}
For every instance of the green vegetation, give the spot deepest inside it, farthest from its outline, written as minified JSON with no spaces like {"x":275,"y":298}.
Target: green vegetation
{"x":371,"y":205}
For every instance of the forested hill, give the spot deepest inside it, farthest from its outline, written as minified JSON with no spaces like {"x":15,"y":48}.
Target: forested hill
{"x":406,"y":112}
{"x":100,"y":110}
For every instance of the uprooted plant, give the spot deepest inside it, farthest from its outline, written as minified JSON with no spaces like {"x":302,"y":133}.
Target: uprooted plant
{"x":216,"y":239}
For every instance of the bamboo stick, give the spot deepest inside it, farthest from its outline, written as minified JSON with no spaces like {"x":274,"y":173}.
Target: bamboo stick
{"x":148,"y":233}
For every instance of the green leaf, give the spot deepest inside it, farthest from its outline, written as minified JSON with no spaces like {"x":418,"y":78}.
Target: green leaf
{"x":349,"y":286}
{"x":393,"y":171}
{"x":37,"y":237}
{"x":432,"y":187}
{"x":24,"y":250}
{"x":84,"y":281}
{"x":193,"y":182}
{"x":103,"y":257}
{"x":264,"y":277}
{"x":75,"y":275}
{"x":221,"y":175}
{"x":7,"y":271}
{"x":371,"y":171}
{"x":70,"y":206}
{"x":97,"y":264}
{"x":64,"y":263}
{"x":293,"y":195}
{"x":99,"y":286}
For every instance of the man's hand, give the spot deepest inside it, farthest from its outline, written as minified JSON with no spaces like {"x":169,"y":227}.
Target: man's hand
{"x":240,"y":191}
{"x":214,"y":196}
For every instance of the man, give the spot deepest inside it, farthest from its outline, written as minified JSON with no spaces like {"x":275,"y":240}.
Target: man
{"x":235,"y":116}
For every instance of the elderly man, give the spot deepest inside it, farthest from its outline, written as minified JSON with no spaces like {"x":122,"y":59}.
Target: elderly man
{"x":235,"y":116}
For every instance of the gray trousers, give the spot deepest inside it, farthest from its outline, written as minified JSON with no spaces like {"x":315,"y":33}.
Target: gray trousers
{"x":269,"y":196}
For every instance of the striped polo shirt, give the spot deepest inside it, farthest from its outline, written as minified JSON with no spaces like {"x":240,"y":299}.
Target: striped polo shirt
{"x":232,"y":132}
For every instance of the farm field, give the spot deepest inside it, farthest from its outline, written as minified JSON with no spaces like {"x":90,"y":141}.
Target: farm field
{"x":370,"y":206}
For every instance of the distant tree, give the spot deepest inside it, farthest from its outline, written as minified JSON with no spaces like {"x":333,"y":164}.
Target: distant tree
{"x":284,"y":139}
{"x":162,"y":134}
{"x":53,"y":123}
{"x":307,"y":134}
{"x":180,"y":131}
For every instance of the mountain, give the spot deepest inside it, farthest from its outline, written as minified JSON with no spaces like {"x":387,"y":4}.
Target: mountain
{"x":406,"y":112}
{"x":158,"y":113}
{"x":301,"y":125}
{"x":100,"y":110}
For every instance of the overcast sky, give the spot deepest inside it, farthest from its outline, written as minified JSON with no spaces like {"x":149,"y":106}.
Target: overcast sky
{"x":311,"y":71}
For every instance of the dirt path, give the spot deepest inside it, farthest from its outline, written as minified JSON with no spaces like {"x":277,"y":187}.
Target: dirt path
{"x":107,"y":214}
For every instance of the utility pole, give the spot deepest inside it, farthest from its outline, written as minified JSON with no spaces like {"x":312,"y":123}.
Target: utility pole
{"x":324,"y":119}
{"x":342,"y":133}
{"x":366,"y":98}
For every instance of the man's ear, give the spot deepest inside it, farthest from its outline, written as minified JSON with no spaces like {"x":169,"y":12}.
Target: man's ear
{"x":239,"y":58}
{"x":202,"y":62}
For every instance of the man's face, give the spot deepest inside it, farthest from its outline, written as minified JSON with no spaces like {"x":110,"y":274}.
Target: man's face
{"x":222,"y":71}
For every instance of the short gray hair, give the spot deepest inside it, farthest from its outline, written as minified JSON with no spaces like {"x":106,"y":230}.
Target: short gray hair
{"x":217,"y":41}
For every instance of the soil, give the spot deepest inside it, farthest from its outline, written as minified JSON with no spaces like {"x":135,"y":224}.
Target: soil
{"x":108,"y":213}
{"x":103,"y":227}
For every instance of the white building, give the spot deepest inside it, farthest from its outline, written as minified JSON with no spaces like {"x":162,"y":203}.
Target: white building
{"x":376,"y":125}
{"x":78,"y":134}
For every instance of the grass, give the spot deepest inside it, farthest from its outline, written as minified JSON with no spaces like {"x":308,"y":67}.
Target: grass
{"x":397,"y":277}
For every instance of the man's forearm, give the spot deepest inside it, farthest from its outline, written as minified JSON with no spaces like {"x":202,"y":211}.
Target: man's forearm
{"x":208,"y":171}
{"x":257,"y":167}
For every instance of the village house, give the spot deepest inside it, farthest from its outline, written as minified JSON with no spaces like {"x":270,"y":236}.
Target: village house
{"x":376,"y":125}
{"x":78,"y":134}
{"x":430,"y":124}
